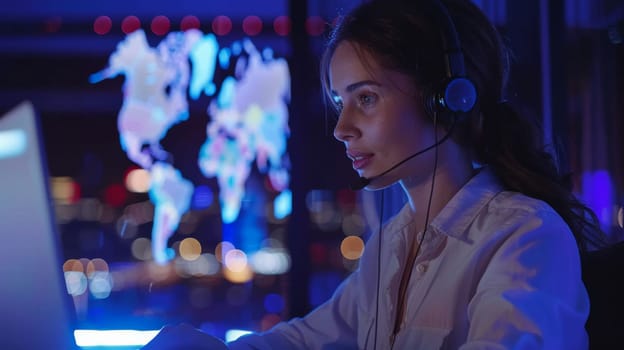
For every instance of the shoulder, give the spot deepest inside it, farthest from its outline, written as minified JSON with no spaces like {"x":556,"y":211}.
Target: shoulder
{"x":512,"y":208}
{"x":515,"y":218}
{"x":510,"y":200}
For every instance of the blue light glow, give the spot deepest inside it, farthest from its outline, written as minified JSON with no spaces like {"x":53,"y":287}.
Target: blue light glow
{"x":274,"y":303}
{"x":598,"y":194}
{"x":202,"y":197}
{"x":12,"y":143}
{"x":228,"y":88}
{"x":234,"y":334}
{"x":224,"y":57}
{"x":283,"y":205}
{"x":203,"y":57}
{"x":120,"y":337}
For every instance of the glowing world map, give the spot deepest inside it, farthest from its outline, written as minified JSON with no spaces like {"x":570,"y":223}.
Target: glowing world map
{"x":246,"y":121}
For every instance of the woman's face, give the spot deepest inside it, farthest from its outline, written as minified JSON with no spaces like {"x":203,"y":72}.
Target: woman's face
{"x":382,"y":120}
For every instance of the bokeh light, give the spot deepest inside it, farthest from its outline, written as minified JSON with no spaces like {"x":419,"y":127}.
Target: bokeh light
{"x":274,"y":242}
{"x":115,"y":195}
{"x":102,"y":25}
{"x":242,"y":276}
{"x":274,"y":303}
{"x":323,"y":211}
{"x":107,"y":214}
{"x":65,"y":190}
{"x":141,"y":248}
{"x":160,"y":25}
{"x":73,"y":265}
{"x":202,"y":197}
{"x":315,"y":25}
{"x":222,"y":249}
{"x":235,"y":260}
{"x":282,"y":206}
{"x":353,"y":225}
{"x":270,"y":261}
{"x":316,"y":199}
{"x":130,"y":24}
{"x":65,"y":213}
{"x":100,"y":284}
{"x":89,"y":209}
{"x":138,"y":180}
{"x":190,"y":249}
{"x":328,"y":218}
{"x":346,"y":199}
{"x":318,"y":253}
{"x":221,"y":25}
{"x":205,"y":265}
{"x":252,"y":25}
{"x":352,"y":247}
{"x":75,"y":278}
{"x":189,"y":22}
{"x":96,"y":265}
{"x":282,"y":25}
{"x":76,"y":282}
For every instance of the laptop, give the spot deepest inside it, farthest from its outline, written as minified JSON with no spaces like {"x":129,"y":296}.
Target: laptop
{"x":36,"y":311}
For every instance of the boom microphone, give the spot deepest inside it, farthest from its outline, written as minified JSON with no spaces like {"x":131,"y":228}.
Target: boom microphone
{"x":362,"y":182}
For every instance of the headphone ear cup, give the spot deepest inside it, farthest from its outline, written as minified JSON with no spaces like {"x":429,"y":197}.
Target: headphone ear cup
{"x":453,"y":97}
{"x":435,"y":106}
{"x":460,"y":95}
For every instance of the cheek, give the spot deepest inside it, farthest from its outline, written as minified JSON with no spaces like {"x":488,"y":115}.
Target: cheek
{"x":412,"y":124}
{"x":414,"y":133}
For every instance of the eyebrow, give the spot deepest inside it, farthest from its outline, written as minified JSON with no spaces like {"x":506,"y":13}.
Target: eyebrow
{"x":352,"y":87}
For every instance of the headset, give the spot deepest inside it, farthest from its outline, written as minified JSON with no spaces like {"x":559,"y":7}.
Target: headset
{"x":453,"y":97}
{"x":456,"y":94}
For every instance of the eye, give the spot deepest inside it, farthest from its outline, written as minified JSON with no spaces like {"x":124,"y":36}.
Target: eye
{"x":367,"y":100}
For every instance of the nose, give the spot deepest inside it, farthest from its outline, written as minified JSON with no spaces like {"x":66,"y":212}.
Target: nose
{"x":345,"y":129}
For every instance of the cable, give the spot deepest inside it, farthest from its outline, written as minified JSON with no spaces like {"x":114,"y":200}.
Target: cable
{"x":381,"y":210}
{"x":411,"y":259}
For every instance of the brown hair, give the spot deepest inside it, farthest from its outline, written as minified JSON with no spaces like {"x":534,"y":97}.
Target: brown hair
{"x":403,"y":38}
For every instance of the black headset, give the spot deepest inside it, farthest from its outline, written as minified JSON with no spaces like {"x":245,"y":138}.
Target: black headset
{"x":456,"y":94}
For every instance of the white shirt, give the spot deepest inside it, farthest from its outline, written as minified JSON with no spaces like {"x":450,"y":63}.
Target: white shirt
{"x":496,"y":270}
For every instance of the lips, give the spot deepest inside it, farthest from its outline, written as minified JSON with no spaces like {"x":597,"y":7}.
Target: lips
{"x":360,"y":159}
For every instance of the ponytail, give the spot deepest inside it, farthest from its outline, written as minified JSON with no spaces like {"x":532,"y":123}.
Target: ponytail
{"x":512,"y":147}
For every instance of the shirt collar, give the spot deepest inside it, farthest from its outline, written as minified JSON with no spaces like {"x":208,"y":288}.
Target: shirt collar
{"x":461,"y":210}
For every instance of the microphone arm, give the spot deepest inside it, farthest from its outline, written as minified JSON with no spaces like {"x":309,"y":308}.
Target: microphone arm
{"x":362,"y":182}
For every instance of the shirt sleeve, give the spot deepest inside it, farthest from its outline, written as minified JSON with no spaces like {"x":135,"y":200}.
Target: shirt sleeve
{"x":330,"y":326}
{"x":531,"y":295}
{"x":343,"y":322}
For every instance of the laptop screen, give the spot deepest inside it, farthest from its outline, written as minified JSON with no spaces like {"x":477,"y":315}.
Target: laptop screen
{"x":37,"y":312}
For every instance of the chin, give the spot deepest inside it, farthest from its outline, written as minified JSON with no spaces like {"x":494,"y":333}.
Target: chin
{"x":379,"y":184}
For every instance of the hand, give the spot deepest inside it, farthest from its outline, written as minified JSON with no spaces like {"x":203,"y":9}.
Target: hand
{"x":184,"y":337}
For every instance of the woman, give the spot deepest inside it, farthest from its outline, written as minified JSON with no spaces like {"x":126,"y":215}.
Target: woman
{"x":485,"y":255}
